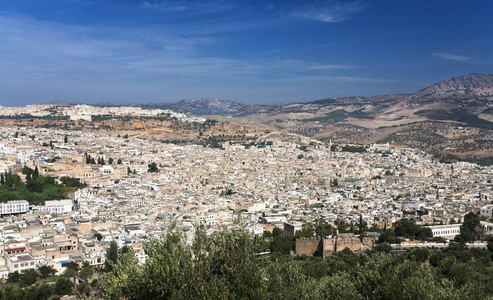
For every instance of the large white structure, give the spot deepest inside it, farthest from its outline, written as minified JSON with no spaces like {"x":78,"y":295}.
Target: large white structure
{"x":58,"y":207}
{"x":107,"y":169}
{"x":20,"y":262}
{"x":445,"y":231}
{"x":380,"y":147}
{"x":486,"y":211}
{"x":14,"y":207}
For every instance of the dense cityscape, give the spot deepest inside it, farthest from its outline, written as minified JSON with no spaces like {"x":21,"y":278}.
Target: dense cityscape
{"x":214,"y":149}
{"x":127,"y":189}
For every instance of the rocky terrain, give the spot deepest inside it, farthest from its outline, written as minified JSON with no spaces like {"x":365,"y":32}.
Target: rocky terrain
{"x":451,"y":117}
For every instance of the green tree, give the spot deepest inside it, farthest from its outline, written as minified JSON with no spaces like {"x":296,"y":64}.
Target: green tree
{"x":63,"y":286}
{"x":44,"y":291}
{"x":388,"y":236}
{"x":490,"y":243}
{"x":343,"y":226}
{"x":26,"y":170}
{"x":86,"y":270}
{"x":338,"y":286}
{"x":360,"y":225}
{"x":34,"y":186}
{"x":470,"y":230}
{"x":29,"y":276}
{"x":35,"y":173}
{"x":419,"y":255}
{"x":335,"y":182}
{"x":98,"y":236}
{"x":409,"y":229}
{"x":282,"y":244}
{"x":425,"y":233}
{"x":323,"y":229}
{"x":223,"y":265}
{"x":46,"y":271}
{"x":14,"y":277}
{"x":306,"y":231}
{"x":14,"y":292}
{"x":276,"y":232}
{"x":71,"y":269}
{"x":111,"y":256}
{"x":153,"y":168}
{"x":406,"y":228}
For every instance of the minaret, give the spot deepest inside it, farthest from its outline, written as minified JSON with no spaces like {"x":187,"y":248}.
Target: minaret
{"x":21,"y":157}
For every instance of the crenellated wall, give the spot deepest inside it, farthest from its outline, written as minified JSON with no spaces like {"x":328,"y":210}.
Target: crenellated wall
{"x":326,"y":247}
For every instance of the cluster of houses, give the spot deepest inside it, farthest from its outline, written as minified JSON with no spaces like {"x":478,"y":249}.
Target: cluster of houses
{"x":280,"y":184}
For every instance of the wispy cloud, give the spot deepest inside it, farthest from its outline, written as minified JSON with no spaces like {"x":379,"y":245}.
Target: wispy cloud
{"x":331,"y":67}
{"x":330,"y":12}
{"x":188,"y":6}
{"x":452,"y":56}
{"x":41,"y":61}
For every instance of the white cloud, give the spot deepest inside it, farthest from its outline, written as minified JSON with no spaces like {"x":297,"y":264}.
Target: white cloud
{"x":452,"y":56}
{"x":329,"y":12}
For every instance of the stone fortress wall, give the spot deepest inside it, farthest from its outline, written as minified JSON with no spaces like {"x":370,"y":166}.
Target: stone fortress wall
{"x":326,"y":247}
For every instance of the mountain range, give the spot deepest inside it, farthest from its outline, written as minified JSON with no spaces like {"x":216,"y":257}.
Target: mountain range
{"x":451,"y":117}
{"x":474,"y":91}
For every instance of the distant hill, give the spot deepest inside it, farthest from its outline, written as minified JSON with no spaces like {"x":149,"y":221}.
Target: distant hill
{"x":469,"y":89}
{"x":474,"y":91}
{"x":201,"y":106}
{"x":58,"y":103}
{"x":454,"y":116}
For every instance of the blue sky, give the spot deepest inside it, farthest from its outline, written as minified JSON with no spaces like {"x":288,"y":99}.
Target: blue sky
{"x":263,"y":52}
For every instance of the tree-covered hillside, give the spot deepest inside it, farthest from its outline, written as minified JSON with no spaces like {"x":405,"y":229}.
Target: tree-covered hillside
{"x":37,"y":188}
{"x":226,"y":266}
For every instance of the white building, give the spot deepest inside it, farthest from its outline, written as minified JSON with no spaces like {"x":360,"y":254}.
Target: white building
{"x":58,"y":207}
{"x":486,"y":211}
{"x":139,"y":169}
{"x":14,"y":207}
{"x":450,"y":230}
{"x":20,"y":263}
{"x":106,"y":169}
{"x":380,"y":147}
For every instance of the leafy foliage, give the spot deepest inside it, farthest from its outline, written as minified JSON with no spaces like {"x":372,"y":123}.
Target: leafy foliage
{"x":225,"y":266}
{"x":37,"y":189}
{"x":409,"y":229}
{"x":353,"y":149}
{"x":153,"y":168}
{"x":470,"y":230}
